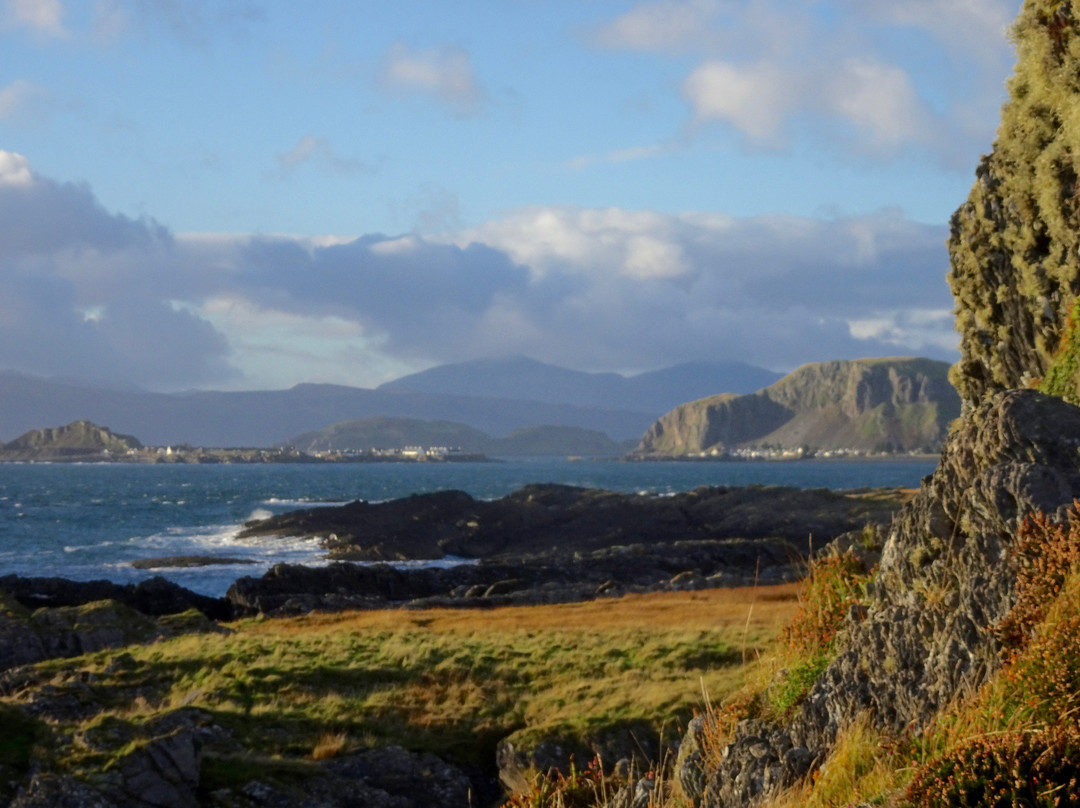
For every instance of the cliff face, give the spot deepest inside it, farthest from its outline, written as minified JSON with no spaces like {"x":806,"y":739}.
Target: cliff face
{"x":897,"y":404}
{"x":1013,"y":243}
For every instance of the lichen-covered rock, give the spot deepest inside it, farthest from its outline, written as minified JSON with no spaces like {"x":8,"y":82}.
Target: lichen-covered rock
{"x":1014,"y":242}
{"x":946,"y":577}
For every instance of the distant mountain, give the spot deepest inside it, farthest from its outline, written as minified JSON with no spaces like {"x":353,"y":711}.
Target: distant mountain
{"x":524,"y":379}
{"x":268,"y":418}
{"x":66,"y":442}
{"x":893,"y":404}
{"x":391,"y":433}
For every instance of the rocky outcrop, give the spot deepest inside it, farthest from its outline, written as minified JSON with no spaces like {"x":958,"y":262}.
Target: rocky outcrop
{"x":28,"y":636}
{"x":946,"y":577}
{"x":161,"y":765}
{"x":552,"y":577}
{"x":542,"y":518}
{"x":155,"y":597}
{"x":554,"y":544}
{"x":866,"y":405}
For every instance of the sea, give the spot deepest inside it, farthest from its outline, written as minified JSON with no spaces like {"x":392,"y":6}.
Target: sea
{"x":91,"y":521}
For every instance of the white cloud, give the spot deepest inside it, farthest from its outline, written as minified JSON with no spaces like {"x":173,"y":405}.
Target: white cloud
{"x":756,"y":100}
{"x":876,"y":101}
{"x":879,"y":101}
{"x":43,"y":16}
{"x":914,"y":330}
{"x":14,"y":170}
{"x":445,"y":74}
{"x":110,"y":21}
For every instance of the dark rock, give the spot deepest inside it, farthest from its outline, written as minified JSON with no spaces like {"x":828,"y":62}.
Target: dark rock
{"x":553,"y":577}
{"x":386,"y":777}
{"x":415,"y":780}
{"x":184,"y":561}
{"x":61,"y":791}
{"x":73,"y":630}
{"x":66,"y":631}
{"x":156,"y":596}
{"x":163,"y":772}
{"x":626,"y":746}
{"x":548,"y":518}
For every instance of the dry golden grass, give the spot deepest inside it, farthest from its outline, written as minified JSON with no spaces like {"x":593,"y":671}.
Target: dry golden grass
{"x":760,"y":608}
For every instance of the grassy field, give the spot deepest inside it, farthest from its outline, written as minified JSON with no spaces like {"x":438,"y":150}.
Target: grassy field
{"x":453,"y":682}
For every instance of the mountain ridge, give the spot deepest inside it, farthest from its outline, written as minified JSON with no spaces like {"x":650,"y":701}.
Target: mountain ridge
{"x":522,"y":378}
{"x":268,"y":418}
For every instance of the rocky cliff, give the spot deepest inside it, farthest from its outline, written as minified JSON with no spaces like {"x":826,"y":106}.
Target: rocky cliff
{"x":895,"y":404}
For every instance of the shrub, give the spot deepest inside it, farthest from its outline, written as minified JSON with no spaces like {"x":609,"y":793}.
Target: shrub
{"x":580,"y":788}
{"x":1046,"y":553}
{"x":1015,"y":768}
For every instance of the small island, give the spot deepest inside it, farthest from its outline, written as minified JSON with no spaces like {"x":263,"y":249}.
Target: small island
{"x":85,"y":442}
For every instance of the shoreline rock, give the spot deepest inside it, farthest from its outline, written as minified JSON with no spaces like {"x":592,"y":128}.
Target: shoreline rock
{"x":550,"y":518}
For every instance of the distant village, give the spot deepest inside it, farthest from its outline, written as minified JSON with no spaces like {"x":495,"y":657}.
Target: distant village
{"x":780,"y":453}
{"x":289,"y":454}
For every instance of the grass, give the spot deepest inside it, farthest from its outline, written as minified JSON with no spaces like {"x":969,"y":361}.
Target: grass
{"x":452,"y":682}
{"x":1014,"y":741}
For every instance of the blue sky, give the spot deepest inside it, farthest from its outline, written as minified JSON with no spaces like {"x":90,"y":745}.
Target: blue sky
{"x":237,"y":194}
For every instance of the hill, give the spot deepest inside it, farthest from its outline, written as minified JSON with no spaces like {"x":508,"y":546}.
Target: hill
{"x":521,"y":378}
{"x":269,"y":417}
{"x":864,"y":405}
{"x":66,"y":442}
{"x":389,"y":433}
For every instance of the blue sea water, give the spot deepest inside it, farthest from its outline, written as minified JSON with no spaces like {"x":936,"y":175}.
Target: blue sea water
{"x":91,"y":521}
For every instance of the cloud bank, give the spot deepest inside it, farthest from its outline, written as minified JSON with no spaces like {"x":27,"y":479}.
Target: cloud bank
{"x":84,"y":292}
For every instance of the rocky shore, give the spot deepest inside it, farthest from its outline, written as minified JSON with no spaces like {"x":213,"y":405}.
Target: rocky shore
{"x":541,"y":544}
{"x":554,"y":543}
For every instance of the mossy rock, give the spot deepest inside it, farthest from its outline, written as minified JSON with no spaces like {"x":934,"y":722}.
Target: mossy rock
{"x":1015,"y":265}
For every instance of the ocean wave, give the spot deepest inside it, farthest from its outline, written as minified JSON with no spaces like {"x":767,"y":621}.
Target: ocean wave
{"x":317,"y":503}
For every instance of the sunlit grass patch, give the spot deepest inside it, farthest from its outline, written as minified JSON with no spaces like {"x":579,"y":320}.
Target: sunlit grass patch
{"x":452,"y":682}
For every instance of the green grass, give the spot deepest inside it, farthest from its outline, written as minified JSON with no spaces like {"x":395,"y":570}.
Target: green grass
{"x":449,"y":682}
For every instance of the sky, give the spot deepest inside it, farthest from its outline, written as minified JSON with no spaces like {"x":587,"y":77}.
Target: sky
{"x":234,"y":194}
